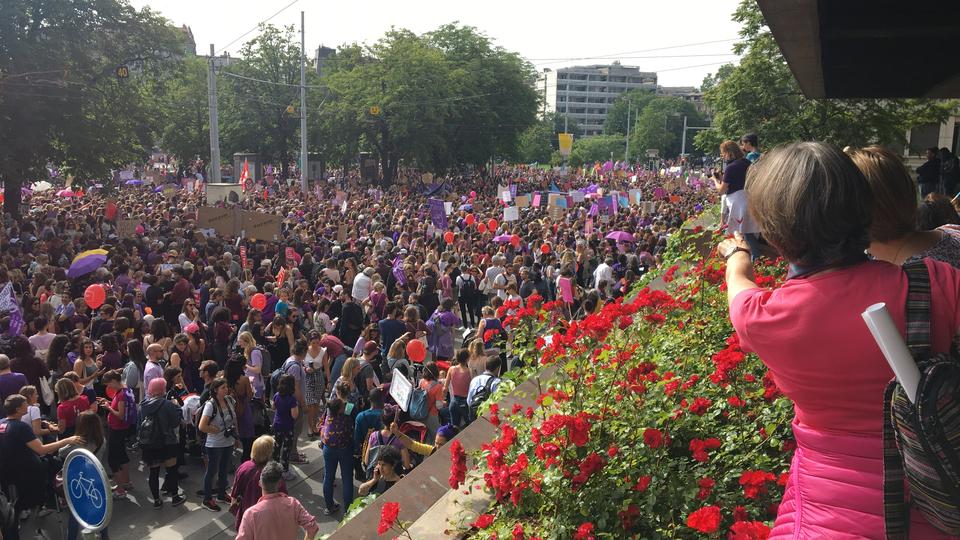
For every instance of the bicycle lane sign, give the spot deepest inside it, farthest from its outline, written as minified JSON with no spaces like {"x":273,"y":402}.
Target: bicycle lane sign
{"x":87,"y":488}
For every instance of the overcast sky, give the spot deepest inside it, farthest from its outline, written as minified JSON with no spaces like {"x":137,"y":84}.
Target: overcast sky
{"x":550,"y":34}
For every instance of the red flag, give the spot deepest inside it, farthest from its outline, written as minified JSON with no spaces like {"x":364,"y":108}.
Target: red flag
{"x":244,"y":175}
{"x":281,"y":276}
{"x":264,"y":193}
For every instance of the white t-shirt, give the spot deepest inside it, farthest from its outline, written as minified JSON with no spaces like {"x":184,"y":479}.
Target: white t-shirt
{"x":33,"y":413}
{"x":604,"y":272}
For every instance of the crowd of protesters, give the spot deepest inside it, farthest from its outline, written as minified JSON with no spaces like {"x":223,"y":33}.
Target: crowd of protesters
{"x":183,"y":344}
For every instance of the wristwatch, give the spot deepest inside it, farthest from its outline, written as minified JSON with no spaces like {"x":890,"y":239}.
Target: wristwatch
{"x":735,"y":250}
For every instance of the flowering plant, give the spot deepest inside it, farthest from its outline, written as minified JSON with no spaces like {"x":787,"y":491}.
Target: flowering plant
{"x":656,"y":424}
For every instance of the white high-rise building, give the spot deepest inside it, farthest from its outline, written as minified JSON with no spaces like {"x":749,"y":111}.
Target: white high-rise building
{"x":587,"y":92}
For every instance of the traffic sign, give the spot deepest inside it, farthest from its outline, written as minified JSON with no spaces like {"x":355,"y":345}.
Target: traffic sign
{"x":88,"y":490}
{"x":375,"y":110}
{"x":123,"y":72}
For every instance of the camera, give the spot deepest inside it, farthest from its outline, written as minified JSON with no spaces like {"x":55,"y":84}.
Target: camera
{"x":231,"y":432}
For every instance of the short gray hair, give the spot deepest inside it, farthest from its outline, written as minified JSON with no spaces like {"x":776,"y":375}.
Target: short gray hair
{"x":270,"y":477}
{"x":4,"y":362}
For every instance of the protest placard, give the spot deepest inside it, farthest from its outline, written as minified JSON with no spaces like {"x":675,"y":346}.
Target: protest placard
{"x":222,"y":220}
{"x":511,"y":213}
{"x":522,"y":201}
{"x":127,"y":228}
{"x":400,"y":389}
{"x":260,"y":225}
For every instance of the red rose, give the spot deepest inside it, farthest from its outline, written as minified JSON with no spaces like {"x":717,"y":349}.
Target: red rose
{"x":740,"y":514}
{"x":705,"y":520}
{"x":518,"y":533}
{"x":584,"y":532}
{"x":706,"y":487}
{"x":483,"y":521}
{"x":613,"y":450}
{"x":736,"y":401}
{"x":458,"y":464}
{"x":388,"y":516}
{"x":700,"y":406}
{"x":653,"y":437}
{"x":749,"y":530}
{"x":754,"y":483}
{"x":642,"y":483}
{"x":782,"y":480}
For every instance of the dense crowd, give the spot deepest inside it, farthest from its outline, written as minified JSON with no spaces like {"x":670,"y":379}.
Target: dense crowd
{"x":167,"y":342}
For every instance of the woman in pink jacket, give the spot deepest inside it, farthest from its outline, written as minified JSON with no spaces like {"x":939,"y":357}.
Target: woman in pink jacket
{"x":814,"y":206}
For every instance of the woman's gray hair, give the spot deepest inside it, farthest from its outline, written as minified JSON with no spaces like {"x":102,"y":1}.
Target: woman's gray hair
{"x":811,"y":203}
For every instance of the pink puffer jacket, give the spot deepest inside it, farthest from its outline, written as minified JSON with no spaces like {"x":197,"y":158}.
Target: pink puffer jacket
{"x":835,"y":490}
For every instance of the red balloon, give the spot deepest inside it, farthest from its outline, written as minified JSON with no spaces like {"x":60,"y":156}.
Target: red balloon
{"x":448,"y":237}
{"x":545,"y":249}
{"x":471,"y":219}
{"x":416,"y":351}
{"x":94,"y":296}
{"x":515,"y":240}
{"x":482,"y":228}
{"x":258,"y":301}
{"x":492,"y":224}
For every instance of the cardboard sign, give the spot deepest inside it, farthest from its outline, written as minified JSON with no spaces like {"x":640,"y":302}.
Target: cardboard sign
{"x":536,"y":199}
{"x":126,"y":175}
{"x":243,"y":256}
{"x":505,"y":196}
{"x":448,"y":207}
{"x":566,"y":289}
{"x":522,"y":201}
{"x":223,"y":192}
{"x":127,"y":228}
{"x":511,"y":213}
{"x":649,"y":207}
{"x":222,"y":220}
{"x":260,"y":226}
{"x":290,"y":254}
{"x":556,"y":212}
{"x":635,"y":197}
{"x":578,"y":196}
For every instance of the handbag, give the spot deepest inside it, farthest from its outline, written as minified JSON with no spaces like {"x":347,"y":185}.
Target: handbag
{"x":45,"y":391}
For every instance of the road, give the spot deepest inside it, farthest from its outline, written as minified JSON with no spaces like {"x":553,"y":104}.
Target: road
{"x":135,"y":518}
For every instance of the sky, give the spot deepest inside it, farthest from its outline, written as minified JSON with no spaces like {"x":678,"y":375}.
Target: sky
{"x":549,"y":34}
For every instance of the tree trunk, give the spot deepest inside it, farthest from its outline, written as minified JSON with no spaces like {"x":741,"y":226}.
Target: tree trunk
{"x":11,"y":194}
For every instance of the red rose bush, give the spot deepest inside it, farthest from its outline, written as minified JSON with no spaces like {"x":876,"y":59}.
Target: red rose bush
{"x":656,"y":424}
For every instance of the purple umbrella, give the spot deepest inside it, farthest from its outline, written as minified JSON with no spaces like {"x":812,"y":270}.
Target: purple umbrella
{"x":134,"y":182}
{"x":620,"y":236}
{"x":503,"y":238}
{"x":86,"y":265}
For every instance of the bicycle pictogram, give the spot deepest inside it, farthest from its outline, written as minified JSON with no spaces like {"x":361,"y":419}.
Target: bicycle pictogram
{"x":83,"y":486}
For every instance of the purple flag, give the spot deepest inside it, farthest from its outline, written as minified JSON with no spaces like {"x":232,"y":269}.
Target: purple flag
{"x":438,"y":214}
{"x":398,"y":271}
{"x":8,"y":303}
{"x":513,"y":191}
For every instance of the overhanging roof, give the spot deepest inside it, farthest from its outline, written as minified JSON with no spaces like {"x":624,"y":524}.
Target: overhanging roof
{"x":869,"y":48}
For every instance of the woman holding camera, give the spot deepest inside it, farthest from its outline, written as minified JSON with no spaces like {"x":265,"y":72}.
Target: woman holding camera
{"x":219,"y":421}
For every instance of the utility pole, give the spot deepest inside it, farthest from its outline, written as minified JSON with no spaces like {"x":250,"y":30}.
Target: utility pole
{"x":683,"y":139}
{"x":303,"y":109}
{"x":214,"y":124}
{"x":626,"y":154}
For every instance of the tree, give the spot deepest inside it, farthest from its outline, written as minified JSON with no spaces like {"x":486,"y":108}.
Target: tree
{"x":660,"y":125}
{"x":260,"y":101}
{"x":184,"y":130}
{"x":633,"y":102}
{"x":539,"y":141}
{"x":61,"y":101}
{"x":760,"y":95}
{"x":597,"y":148}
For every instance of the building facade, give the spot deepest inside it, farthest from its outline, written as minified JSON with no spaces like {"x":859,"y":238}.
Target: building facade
{"x":585,"y":93}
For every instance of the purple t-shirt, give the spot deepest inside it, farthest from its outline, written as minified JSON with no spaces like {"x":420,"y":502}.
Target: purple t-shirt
{"x":282,"y":417}
{"x":11,"y":383}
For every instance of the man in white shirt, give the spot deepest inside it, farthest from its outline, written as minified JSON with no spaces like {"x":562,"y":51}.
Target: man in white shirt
{"x":362,"y":284}
{"x":489,"y":380}
{"x":604,"y":272}
{"x":495,"y":286}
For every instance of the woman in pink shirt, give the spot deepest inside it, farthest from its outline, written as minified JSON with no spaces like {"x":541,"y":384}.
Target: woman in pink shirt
{"x":457,"y":385}
{"x":814,"y":206}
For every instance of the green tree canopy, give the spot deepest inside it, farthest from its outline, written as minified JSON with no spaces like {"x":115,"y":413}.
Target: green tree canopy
{"x":61,"y":101}
{"x":633,"y":102}
{"x":660,"y":126}
{"x":597,"y":148}
{"x":760,"y":95}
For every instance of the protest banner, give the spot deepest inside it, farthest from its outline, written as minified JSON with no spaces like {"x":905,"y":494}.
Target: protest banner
{"x":127,"y":228}
{"x":522,"y":201}
{"x":511,"y":213}
{"x":260,"y":225}
{"x":222,"y":220}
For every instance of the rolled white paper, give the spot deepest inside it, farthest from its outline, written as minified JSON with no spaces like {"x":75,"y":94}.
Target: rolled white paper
{"x":893,"y":347}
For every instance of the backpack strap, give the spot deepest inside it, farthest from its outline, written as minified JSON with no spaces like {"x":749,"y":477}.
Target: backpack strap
{"x":896,"y":512}
{"x":918,"y":308}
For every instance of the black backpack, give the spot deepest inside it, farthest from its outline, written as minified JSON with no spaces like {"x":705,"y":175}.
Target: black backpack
{"x":469,"y":288}
{"x":482,"y":394}
{"x":373,"y":454}
{"x":152,"y":431}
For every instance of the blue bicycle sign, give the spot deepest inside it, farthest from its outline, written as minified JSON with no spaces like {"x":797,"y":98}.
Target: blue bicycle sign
{"x":80,"y":487}
{"x":88,"y":490}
